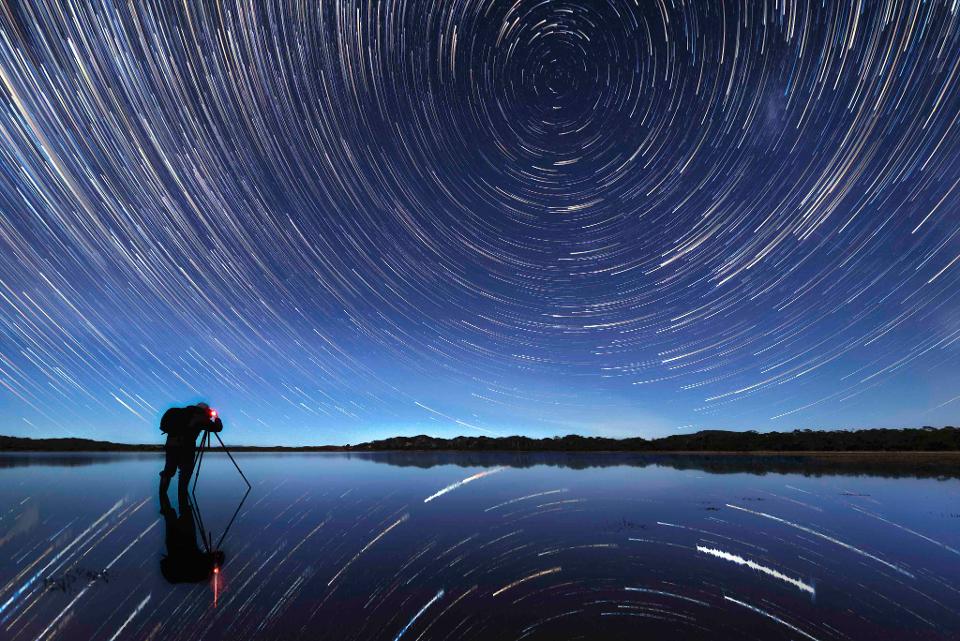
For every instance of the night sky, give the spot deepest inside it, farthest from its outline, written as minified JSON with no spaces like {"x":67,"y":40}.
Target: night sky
{"x":339,"y":221}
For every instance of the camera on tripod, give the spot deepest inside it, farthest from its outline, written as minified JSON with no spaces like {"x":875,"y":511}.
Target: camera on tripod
{"x":214,"y":417}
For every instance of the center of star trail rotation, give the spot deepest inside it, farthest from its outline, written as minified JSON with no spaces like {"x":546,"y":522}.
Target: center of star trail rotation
{"x":340,"y":221}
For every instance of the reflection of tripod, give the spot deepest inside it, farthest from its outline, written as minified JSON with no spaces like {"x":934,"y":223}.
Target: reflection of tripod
{"x":197,"y":461}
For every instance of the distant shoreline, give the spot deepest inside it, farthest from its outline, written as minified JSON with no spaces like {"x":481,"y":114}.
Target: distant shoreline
{"x":915,"y":443}
{"x":942,"y":465}
{"x":898,"y":458}
{"x":838,"y":456}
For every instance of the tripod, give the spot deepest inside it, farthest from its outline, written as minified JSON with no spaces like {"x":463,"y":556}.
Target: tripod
{"x":205,"y":534}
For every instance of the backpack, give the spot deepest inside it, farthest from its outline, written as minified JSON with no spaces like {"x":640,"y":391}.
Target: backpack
{"x":173,"y":420}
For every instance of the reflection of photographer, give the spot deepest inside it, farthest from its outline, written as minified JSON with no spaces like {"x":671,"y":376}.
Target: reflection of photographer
{"x":184,"y":561}
{"x":183,"y":425}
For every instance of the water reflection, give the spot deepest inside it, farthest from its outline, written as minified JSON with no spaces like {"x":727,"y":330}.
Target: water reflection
{"x":891,"y":465}
{"x":69,"y":459}
{"x":479,"y":546}
{"x":901,"y":465}
{"x":184,"y":562}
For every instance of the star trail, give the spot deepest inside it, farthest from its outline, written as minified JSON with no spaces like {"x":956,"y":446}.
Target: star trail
{"x":338,"y":221}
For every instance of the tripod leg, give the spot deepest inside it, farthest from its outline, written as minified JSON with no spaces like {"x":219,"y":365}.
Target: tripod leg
{"x":233,"y":518}
{"x":232,"y":460}
{"x":199,"y":452}
{"x":195,"y":506}
{"x":204,"y":534}
{"x":197,"y":461}
{"x":245,"y":494}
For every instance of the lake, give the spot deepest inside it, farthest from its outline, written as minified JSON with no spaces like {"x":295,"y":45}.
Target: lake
{"x":476,"y":546}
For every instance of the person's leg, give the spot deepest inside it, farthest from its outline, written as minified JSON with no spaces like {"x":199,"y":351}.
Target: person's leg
{"x":185,"y":464}
{"x":169,"y":469}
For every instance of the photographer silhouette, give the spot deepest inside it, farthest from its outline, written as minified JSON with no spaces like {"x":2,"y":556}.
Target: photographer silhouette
{"x":182,"y":426}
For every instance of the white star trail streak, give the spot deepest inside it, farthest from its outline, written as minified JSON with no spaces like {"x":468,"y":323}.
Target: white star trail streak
{"x":367,"y":547}
{"x":669,"y":594}
{"x":826,"y":537}
{"x":535,"y":575}
{"x":469,"y":479}
{"x":772,"y":616}
{"x":437,"y":597}
{"x":524,"y":498}
{"x":135,"y":612}
{"x":753,"y":565}
{"x":946,"y":547}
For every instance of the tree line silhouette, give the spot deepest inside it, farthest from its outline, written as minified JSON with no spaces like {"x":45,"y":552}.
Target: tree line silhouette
{"x":928,"y":439}
{"x":922,"y":439}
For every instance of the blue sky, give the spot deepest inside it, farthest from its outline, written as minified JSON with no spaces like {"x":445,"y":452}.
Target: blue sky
{"x":536,"y":219}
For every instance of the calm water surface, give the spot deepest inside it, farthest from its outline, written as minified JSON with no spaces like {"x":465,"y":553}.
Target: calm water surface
{"x":335,"y":546}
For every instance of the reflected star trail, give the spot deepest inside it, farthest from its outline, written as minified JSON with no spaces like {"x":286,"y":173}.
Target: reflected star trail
{"x":352,"y":220}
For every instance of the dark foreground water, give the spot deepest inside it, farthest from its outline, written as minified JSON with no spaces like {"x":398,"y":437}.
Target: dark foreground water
{"x":331,"y":546}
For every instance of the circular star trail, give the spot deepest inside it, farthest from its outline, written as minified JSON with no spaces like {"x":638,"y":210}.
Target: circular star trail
{"x":364,"y":218}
